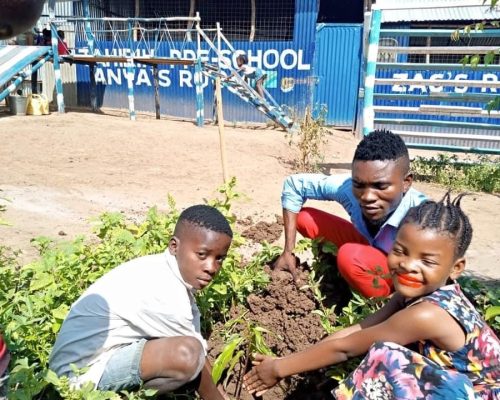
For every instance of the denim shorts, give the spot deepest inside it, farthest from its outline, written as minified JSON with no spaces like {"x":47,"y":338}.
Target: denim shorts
{"x":4,"y":385}
{"x":123,"y":368}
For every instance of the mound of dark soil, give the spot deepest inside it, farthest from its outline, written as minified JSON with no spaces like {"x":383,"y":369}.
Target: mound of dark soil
{"x":285,"y":310}
{"x":262,"y":231}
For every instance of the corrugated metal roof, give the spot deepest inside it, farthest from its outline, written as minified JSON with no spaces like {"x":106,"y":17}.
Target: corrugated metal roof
{"x":438,"y":10}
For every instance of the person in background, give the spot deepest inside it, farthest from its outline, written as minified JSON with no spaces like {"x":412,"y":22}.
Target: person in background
{"x":62,"y":46}
{"x":255,"y":77}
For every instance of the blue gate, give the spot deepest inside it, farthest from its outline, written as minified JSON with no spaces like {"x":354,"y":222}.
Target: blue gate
{"x":337,"y":67}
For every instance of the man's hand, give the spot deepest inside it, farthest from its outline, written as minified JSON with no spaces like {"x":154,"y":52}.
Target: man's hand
{"x":287,"y":262}
{"x":263,"y":375}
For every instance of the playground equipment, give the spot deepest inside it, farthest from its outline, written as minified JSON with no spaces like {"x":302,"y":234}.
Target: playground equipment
{"x":152,"y":42}
{"x":18,"y":63}
{"x":18,"y":16}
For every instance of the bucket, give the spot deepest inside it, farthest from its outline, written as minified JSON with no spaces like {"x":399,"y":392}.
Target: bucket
{"x":37,"y":104}
{"x":17,"y":105}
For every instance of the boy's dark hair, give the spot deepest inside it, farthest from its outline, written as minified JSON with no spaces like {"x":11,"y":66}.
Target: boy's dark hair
{"x":205,"y":217}
{"x":444,"y":216}
{"x":243,"y":58}
{"x":381,"y":145}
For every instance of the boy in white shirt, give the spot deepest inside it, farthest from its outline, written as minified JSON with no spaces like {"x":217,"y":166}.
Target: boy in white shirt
{"x":139,"y":323}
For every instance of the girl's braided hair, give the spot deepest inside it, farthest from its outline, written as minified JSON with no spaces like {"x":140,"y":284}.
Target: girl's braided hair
{"x":444,"y":216}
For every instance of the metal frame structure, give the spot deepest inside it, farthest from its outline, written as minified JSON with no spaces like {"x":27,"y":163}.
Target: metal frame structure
{"x":135,"y":29}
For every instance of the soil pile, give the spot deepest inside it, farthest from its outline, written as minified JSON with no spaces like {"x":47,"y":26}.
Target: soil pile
{"x":285,"y":310}
{"x":262,"y":231}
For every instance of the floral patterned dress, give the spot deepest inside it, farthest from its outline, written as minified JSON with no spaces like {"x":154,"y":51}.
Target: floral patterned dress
{"x":391,"y":371}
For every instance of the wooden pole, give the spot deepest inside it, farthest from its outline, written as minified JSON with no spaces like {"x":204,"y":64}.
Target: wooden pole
{"x":252,"y":24}
{"x":192,"y":8}
{"x":220,"y":119}
{"x":93,"y":88}
{"x":136,"y":14}
{"x":157,"y":91}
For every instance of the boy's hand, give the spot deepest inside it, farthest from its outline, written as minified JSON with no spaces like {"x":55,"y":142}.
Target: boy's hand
{"x":263,"y":375}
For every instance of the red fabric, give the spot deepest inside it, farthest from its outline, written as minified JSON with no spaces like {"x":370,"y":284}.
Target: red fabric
{"x":4,"y":356}
{"x":364,"y":267}
{"x":3,"y":347}
{"x":62,"y":48}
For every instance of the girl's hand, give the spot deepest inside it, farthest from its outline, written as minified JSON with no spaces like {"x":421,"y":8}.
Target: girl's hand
{"x":263,"y":375}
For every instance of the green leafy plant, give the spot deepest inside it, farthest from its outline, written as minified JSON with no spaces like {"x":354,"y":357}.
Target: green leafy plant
{"x":481,"y":173}
{"x":242,"y":338}
{"x":35,"y":298}
{"x":486,"y":298}
{"x":326,"y":314}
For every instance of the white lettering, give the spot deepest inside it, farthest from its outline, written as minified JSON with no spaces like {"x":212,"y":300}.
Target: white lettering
{"x":114,"y":77}
{"x":462,"y":89}
{"x":163,"y":78}
{"x":268,"y":64}
{"x":418,"y":77}
{"x":143,"y":78}
{"x":99,"y":76}
{"x":283,"y":61}
{"x":436,"y":89}
{"x":203,"y":53}
{"x":399,"y":88}
{"x":489,"y":78}
{"x":185,"y":78}
{"x":301,"y":66}
{"x":255,"y":60}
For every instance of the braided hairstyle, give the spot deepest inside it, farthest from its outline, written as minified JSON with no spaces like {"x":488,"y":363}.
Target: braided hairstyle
{"x":444,"y":216}
{"x":206,"y":217}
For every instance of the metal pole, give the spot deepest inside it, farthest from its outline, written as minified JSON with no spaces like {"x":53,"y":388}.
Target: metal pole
{"x":93,"y":88}
{"x":88,"y":31}
{"x":131,"y":73}
{"x":198,"y":78}
{"x":371,"y":67}
{"x":220,"y":118}
{"x":55,"y":57}
{"x":198,"y":82}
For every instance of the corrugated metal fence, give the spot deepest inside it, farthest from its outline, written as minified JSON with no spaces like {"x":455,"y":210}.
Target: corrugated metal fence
{"x":337,"y":67}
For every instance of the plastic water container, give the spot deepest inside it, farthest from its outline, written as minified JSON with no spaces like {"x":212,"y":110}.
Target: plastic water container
{"x":17,"y":104}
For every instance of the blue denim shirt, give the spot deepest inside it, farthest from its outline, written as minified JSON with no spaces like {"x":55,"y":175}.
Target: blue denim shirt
{"x":298,"y":188}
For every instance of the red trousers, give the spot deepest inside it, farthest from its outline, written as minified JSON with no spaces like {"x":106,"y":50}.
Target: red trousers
{"x":364,"y":267}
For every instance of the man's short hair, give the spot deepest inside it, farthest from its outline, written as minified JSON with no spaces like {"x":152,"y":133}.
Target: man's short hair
{"x":205,"y":217}
{"x":381,"y":145}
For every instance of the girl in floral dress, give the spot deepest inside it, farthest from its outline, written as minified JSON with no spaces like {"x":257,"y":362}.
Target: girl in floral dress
{"x":458,"y":353}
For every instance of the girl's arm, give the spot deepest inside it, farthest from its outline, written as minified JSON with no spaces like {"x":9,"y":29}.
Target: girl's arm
{"x":395,"y":303}
{"x":422,"y":321}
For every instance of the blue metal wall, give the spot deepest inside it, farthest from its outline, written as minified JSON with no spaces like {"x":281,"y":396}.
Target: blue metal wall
{"x":337,"y":68}
{"x":289,"y":65}
{"x":417,"y":89}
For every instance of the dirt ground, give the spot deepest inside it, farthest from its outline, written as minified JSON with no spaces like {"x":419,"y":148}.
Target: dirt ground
{"x":59,"y":171}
